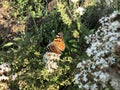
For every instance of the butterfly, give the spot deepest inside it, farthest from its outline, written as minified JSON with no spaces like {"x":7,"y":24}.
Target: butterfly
{"x":57,"y":45}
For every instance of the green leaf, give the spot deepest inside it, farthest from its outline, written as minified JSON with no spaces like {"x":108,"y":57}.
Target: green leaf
{"x":55,"y":78}
{"x":72,"y":41}
{"x":8,"y":44}
{"x":17,"y":39}
{"x":33,"y":13}
{"x":37,"y":53}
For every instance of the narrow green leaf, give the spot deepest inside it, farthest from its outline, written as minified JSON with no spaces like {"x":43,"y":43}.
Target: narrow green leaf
{"x":17,"y":39}
{"x":8,"y":44}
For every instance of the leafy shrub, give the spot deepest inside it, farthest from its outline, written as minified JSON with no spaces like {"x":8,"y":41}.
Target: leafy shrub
{"x":25,"y":52}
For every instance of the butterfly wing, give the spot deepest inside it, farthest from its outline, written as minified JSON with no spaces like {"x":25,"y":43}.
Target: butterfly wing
{"x":58,"y":45}
{"x":53,"y":48}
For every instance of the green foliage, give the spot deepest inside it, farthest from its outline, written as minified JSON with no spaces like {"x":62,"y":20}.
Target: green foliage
{"x":62,"y":9}
{"x":28,"y":7}
{"x":94,"y":13}
{"x":27,"y":59}
{"x":26,"y":51}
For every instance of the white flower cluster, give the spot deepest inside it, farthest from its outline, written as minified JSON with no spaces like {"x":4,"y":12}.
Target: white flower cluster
{"x":4,"y":79}
{"x":51,"y":59}
{"x":74,"y":1}
{"x":80,"y":10}
{"x":104,"y":51}
{"x":115,"y":83}
{"x":4,"y":69}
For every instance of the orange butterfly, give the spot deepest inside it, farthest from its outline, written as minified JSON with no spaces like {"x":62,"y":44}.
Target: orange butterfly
{"x":57,"y":45}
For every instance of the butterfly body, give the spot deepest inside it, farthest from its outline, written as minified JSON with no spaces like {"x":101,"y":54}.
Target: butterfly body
{"x":57,"y":45}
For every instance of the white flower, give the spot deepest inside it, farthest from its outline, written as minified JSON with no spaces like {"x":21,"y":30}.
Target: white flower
{"x":77,"y":76}
{"x":13,"y":77}
{"x":54,"y":65}
{"x":95,"y":79}
{"x":113,"y":15}
{"x":111,"y":60}
{"x":93,"y":87}
{"x":85,"y":78}
{"x":74,"y":1}
{"x":80,"y":10}
{"x":86,"y":86}
{"x":118,"y":42}
{"x":77,"y":81}
{"x":115,"y":83}
{"x":104,"y":77}
{"x":89,"y":52}
{"x":93,"y":66}
{"x":80,"y":85}
{"x":79,"y":65}
{"x":102,"y":62}
{"x":5,"y":67}
{"x":112,"y":39}
{"x":96,"y":74}
{"x":50,"y":58}
{"x":101,"y":55}
{"x":84,"y":62}
{"x":4,"y":78}
{"x":104,"y":20}
{"x":114,"y":25}
{"x":1,"y":71}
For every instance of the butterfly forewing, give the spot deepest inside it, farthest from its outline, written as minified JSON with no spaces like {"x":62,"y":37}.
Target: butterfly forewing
{"x":57,"y":45}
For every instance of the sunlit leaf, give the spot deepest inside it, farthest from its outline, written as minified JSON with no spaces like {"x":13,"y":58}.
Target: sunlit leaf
{"x":17,"y":39}
{"x":37,"y":53}
{"x":8,"y":44}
